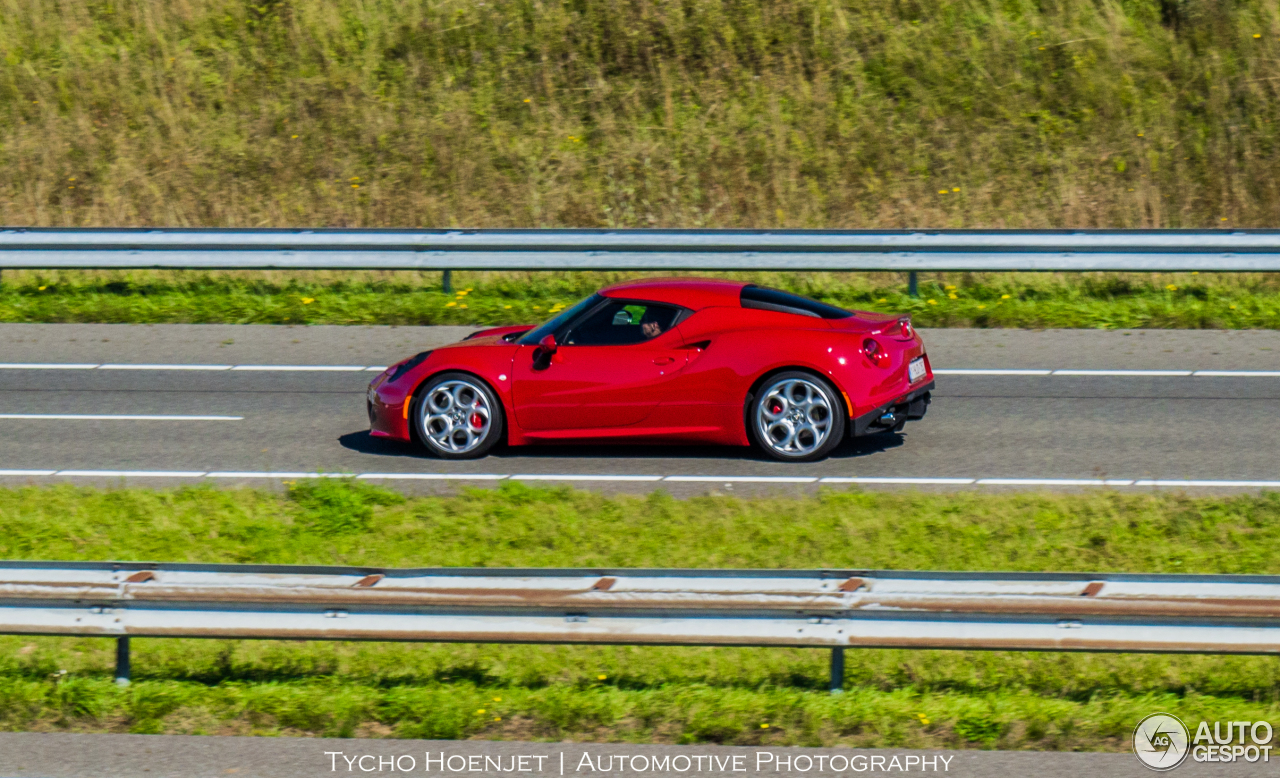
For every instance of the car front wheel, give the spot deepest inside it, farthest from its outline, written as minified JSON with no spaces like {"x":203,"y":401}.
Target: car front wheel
{"x":797,"y":417}
{"x":457,"y":416}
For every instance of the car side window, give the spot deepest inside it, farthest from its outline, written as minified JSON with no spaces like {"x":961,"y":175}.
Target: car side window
{"x":622,"y":323}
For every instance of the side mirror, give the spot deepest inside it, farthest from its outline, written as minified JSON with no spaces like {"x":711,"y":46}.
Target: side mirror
{"x":542,"y":354}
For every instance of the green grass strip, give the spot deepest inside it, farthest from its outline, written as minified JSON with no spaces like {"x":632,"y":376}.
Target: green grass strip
{"x":634,"y":694}
{"x":1093,"y":300}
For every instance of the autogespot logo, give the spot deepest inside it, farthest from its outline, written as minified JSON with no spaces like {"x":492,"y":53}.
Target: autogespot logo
{"x":1160,"y":741}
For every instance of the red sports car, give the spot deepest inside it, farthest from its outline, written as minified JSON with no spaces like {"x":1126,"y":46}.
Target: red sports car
{"x":683,"y":360}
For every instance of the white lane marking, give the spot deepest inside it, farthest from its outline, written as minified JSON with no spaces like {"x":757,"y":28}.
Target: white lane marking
{"x":570,"y":477}
{"x":433,"y":476}
{"x":276,"y":475}
{"x":41,"y":366}
{"x":885,"y":480}
{"x":988,"y":371}
{"x":200,"y":368}
{"x":165,"y":367}
{"x":976,"y":371}
{"x":303,"y":368}
{"x":836,"y":479}
{"x":1124,"y":373}
{"x":1041,"y":482}
{"x":743,"y":479}
{"x":112,"y":417}
{"x":1242,"y":484}
{"x":133,"y":473}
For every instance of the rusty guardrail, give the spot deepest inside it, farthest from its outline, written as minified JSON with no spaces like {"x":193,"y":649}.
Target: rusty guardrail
{"x":835,"y":609}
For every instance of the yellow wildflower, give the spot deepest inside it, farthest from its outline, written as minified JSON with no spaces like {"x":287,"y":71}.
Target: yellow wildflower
{"x":1005,"y":296}
{"x":449,"y":305}
{"x":601,"y":677}
{"x":764,"y":726}
{"x":308,"y":300}
{"x":933,"y":302}
{"x":1171,"y":288}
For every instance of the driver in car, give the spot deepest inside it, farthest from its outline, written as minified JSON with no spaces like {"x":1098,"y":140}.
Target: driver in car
{"x":649,"y":326}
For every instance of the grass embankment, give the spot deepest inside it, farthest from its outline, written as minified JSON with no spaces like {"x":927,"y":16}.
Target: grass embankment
{"x":759,"y":113}
{"x":946,"y":300}
{"x":899,"y":698}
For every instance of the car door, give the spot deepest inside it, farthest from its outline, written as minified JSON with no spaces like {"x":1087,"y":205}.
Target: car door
{"x":611,"y":368}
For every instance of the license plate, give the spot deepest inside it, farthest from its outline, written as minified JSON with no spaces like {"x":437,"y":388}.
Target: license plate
{"x":915,"y":370}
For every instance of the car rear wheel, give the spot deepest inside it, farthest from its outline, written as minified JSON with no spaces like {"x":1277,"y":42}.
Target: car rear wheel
{"x":457,"y":416}
{"x":797,"y":417}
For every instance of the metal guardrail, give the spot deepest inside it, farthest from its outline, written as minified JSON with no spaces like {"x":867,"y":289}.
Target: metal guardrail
{"x":833,"y":609}
{"x":666,"y":250}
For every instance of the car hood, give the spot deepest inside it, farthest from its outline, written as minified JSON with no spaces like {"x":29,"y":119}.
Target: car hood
{"x":496,"y":334}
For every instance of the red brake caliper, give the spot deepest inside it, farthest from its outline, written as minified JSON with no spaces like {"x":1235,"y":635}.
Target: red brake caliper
{"x":477,"y":421}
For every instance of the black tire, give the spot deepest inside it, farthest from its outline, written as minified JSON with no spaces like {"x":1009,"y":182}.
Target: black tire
{"x":806,"y":421}
{"x":444,"y":412}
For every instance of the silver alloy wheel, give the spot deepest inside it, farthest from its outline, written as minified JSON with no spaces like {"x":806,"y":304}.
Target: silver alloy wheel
{"x":456,"y":416}
{"x":794,"y":417}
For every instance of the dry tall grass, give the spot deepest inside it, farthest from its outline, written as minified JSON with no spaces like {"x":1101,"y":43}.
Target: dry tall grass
{"x":797,"y":113}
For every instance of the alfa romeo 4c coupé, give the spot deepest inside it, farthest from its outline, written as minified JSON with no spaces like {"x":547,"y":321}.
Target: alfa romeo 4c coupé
{"x":684,"y":360}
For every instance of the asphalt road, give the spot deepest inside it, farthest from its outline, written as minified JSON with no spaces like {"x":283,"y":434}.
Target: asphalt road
{"x":28,"y":755}
{"x":1121,"y":428}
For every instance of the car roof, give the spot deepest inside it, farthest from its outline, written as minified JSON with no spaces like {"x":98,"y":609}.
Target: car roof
{"x":692,"y":293}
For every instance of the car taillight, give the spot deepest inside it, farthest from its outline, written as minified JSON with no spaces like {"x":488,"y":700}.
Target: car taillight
{"x":875,"y":353}
{"x":905,"y":326}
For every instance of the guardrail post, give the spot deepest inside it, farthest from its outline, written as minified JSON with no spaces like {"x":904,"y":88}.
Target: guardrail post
{"x":837,"y":670}
{"x":447,"y":282}
{"x":122,"y":661}
{"x":913,"y":284}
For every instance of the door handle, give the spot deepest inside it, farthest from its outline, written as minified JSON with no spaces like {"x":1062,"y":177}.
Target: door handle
{"x":663,"y":360}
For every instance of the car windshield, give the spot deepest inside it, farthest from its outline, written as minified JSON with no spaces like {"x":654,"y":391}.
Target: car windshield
{"x":538,"y":333}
